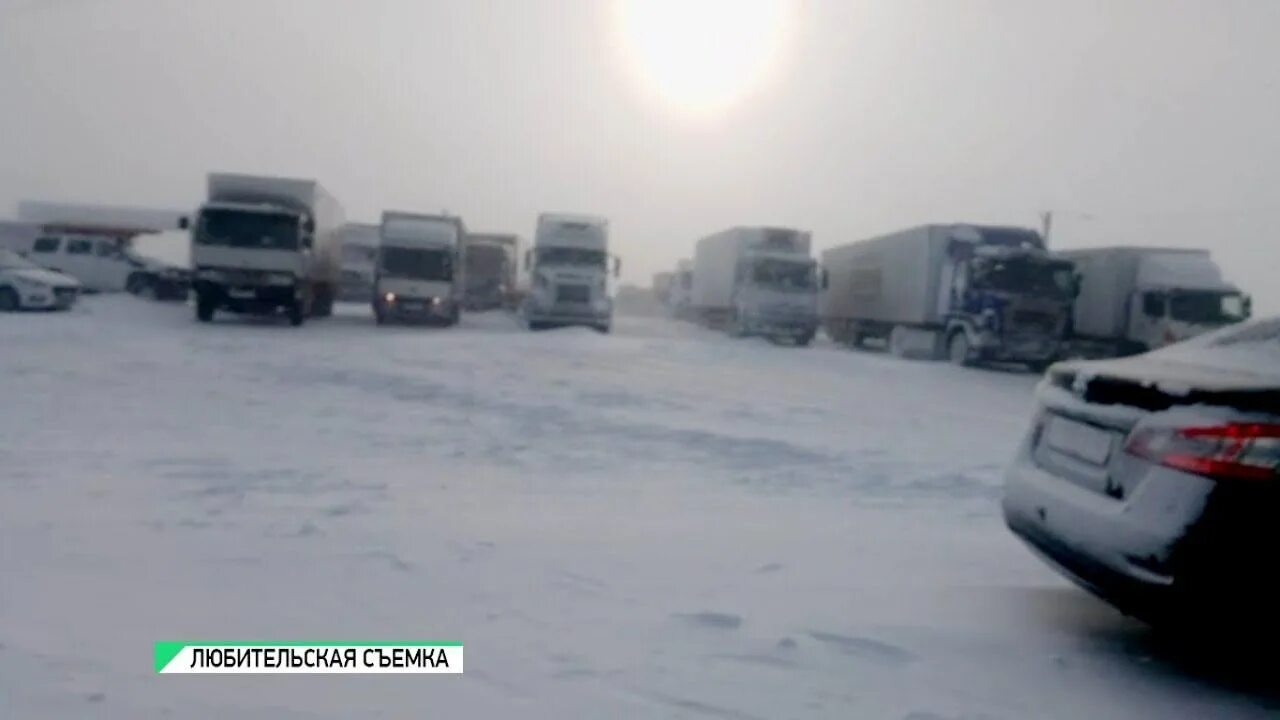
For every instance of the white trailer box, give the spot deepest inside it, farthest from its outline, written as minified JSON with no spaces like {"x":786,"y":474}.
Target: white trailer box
{"x":264,"y":243}
{"x":1134,"y":299}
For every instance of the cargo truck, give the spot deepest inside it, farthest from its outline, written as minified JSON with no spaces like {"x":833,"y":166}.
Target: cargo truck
{"x":757,"y":281}
{"x":261,"y":244}
{"x":969,"y":293}
{"x":569,"y":269}
{"x":662,"y":287}
{"x":1135,"y":299}
{"x":359,"y":260}
{"x":420,"y":275}
{"x":492,"y":263}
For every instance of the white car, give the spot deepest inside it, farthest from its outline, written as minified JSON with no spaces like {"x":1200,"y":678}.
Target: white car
{"x":1154,"y":481}
{"x":27,"y":286}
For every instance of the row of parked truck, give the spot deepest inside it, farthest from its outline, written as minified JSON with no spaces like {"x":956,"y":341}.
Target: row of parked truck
{"x":967,"y":293}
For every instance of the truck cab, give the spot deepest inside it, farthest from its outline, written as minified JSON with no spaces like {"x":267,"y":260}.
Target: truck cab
{"x":776,"y":294}
{"x":1179,"y":296}
{"x":491,"y":264}
{"x":1009,"y":300}
{"x":251,"y":258}
{"x":570,"y":268}
{"x":419,"y":273}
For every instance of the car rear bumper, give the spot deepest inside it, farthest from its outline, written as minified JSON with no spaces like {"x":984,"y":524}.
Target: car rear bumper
{"x":1178,"y":537}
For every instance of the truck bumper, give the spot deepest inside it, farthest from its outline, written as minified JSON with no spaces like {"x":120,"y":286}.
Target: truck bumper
{"x":1017,"y":350}
{"x":569,"y":315}
{"x":411,"y":309}
{"x":251,"y":299}
{"x":790,"y":327}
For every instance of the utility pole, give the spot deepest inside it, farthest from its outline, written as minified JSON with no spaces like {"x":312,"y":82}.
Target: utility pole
{"x":1046,"y":225}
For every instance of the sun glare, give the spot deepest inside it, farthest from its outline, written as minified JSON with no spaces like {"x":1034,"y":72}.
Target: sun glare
{"x":702,"y":56}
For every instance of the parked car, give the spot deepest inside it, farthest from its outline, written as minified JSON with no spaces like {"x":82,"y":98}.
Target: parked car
{"x":27,"y":286}
{"x":1154,"y":481}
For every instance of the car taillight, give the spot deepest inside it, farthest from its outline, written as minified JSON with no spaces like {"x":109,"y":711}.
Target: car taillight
{"x":1233,"y":451}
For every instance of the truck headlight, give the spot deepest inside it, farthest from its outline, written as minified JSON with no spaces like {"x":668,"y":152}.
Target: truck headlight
{"x":389,"y":297}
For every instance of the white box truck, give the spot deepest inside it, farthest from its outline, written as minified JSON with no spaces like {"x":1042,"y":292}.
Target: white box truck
{"x":1134,"y":299}
{"x":569,"y":269}
{"x":492,"y":263}
{"x":757,"y":281}
{"x":970,"y":293}
{"x":359,"y":260}
{"x":420,"y":275}
{"x":261,"y":244}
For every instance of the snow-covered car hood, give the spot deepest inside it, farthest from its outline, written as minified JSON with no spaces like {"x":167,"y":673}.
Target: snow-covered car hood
{"x":42,"y":276}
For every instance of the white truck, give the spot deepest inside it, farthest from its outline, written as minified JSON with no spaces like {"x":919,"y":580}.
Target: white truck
{"x":359,"y":261}
{"x":1135,"y":299}
{"x":492,"y":263}
{"x":661,"y":286}
{"x":569,"y":269}
{"x":420,"y":275}
{"x":262,"y":244}
{"x":969,"y":293}
{"x":757,"y":281}
{"x":680,"y":294}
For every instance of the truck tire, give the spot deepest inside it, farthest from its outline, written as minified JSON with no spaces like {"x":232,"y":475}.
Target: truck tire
{"x":297,"y":312}
{"x":9,"y":301}
{"x":136,"y":284}
{"x":959,"y":350}
{"x":804,"y":339}
{"x":204,"y":307}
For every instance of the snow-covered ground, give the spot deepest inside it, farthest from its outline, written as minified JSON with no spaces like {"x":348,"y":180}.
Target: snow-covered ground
{"x":659,"y":523}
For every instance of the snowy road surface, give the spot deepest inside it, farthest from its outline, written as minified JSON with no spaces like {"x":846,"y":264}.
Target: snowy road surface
{"x":661,"y":523}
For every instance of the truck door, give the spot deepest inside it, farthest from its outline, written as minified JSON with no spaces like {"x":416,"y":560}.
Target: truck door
{"x":1148,"y":312}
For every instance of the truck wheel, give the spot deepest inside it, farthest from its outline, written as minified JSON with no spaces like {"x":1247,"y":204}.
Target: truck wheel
{"x":8,"y":300}
{"x":204,"y":307}
{"x":297,"y":312}
{"x":804,"y":339}
{"x":958,"y":349}
{"x":322,"y":304}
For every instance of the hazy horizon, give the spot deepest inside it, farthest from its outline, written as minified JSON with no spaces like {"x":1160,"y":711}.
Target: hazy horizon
{"x":1139,"y":122}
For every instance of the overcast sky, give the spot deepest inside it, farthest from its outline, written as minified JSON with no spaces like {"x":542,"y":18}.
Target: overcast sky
{"x":1140,"y":122}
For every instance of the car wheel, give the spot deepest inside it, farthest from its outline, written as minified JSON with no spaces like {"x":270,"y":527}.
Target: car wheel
{"x":8,"y":300}
{"x":958,"y":348}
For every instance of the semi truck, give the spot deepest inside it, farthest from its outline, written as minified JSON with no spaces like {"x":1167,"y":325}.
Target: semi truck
{"x":662,"y":287}
{"x":1135,"y":299}
{"x":359,"y":261}
{"x":420,"y":275}
{"x":569,"y":269}
{"x":492,"y":263}
{"x":969,"y":293}
{"x":757,"y":281}
{"x":262,"y":244}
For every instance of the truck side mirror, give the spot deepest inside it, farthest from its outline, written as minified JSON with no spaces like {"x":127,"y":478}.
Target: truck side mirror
{"x":1077,"y":281}
{"x":825,"y":278}
{"x":617,"y":266}
{"x":307,"y":241}
{"x":309,"y":225}
{"x":184,"y":223}
{"x":1247,"y":303}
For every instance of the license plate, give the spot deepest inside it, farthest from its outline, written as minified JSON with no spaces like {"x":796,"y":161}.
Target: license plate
{"x":413,"y":305}
{"x":242,"y":293}
{"x":1081,"y":441}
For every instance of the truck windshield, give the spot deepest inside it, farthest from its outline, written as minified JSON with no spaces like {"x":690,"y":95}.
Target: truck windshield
{"x":1024,"y":277}
{"x":1207,"y":308}
{"x":417,"y":263}
{"x":572,"y":256}
{"x":235,"y":228}
{"x":359,"y":254}
{"x":783,"y":274}
{"x":486,"y":260}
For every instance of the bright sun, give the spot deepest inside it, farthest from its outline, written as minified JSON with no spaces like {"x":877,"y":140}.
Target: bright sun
{"x":701,"y":56}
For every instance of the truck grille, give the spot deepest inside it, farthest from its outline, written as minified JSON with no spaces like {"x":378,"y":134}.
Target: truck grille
{"x":573,"y":294}
{"x":1034,"y":321}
